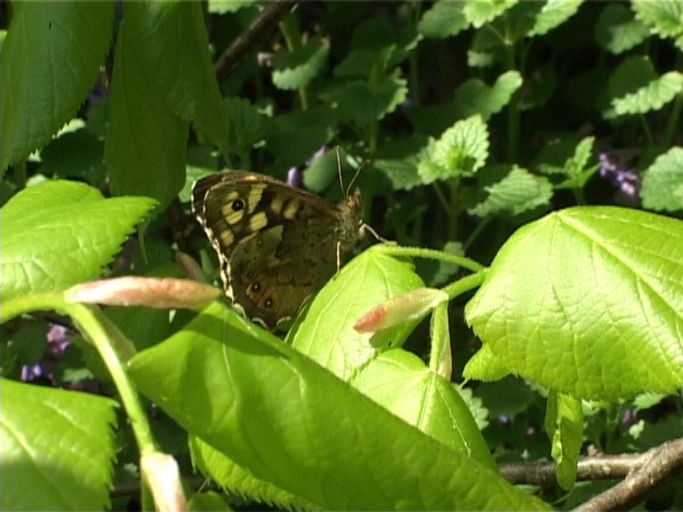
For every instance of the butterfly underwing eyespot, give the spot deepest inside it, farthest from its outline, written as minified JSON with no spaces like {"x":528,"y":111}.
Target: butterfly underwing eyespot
{"x":277,"y":245}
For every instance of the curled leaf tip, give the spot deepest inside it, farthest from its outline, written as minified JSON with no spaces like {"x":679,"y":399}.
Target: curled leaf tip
{"x":409,"y":306}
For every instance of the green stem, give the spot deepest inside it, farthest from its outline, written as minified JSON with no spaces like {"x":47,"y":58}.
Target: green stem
{"x":455,"y":209}
{"x":433,"y":254}
{"x":89,"y":321}
{"x":412,"y":59}
{"x":476,"y":232}
{"x":465,"y":284}
{"x":646,"y":129}
{"x":674,"y":118}
{"x":290,"y":30}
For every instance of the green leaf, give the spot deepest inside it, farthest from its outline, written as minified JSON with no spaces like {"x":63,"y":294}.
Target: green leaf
{"x":295,"y":70}
{"x":552,"y":14}
{"x":444,"y":19}
{"x":460,"y":151}
{"x":291,"y":422}
{"x":57,"y":448}
{"x":632,"y":74}
{"x":576,"y":300}
{"x":564,"y":425}
{"x":228,"y":6}
{"x":292,"y":138}
{"x":478,"y":410}
{"x":65,"y":44}
{"x":77,"y":154}
{"x":145,"y":148}
{"x":617,"y":31}
{"x":479,"y":12}
{"x":518,"y":192}
{"x":400,"y":382}
{"x":663,"y":17}
{"x":326,"y":333}
{"x":239,"y":480}
{"x":662,"y":187}
{"x":364,"y":102}
{"x":59,"y":233}
{"x":475,"y":97}
{"x":246,"y":125}
{"x":653,"y":96}
{"x":163,"y":78}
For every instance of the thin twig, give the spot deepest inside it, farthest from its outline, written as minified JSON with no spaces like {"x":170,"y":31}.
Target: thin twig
{"x":642,"y":472}
{"x":268,"y":18}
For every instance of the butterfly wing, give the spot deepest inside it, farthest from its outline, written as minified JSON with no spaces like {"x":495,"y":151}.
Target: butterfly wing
{"x":277,"y":244}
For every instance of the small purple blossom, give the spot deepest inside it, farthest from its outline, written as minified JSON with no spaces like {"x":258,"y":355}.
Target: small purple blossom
{"x":57,"y":342}
{"x":613,"y":168}
{"x":294,"y":177}
{"x":31,"y":372}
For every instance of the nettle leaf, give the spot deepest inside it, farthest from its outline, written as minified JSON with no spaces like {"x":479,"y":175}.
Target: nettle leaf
{"x":445,"y":19}
{"x":584,"y":296}
{"x":330,"y":339}
{"x":59,"y":233}
{"x":564,"y":425}
{"x":516,"y":193}
{"x":475,"y":97}
{"x":301,"y":428}
{"x":76,"y":154}
{"x":479,"y":12}
{"x":632,"y":74}
{"x":662,"y":187}
{"x":57,"y":448}
{"x":65,"y":44}
{"x":363,"y":101}
{"x":617,"y":31}
{"x":460,"y":151}
{"x":228,"y":6}
{"x":245,"y":126}
{"x":296,"y":69}
{"x":664,"y":17}
{"x":653,"y":96}
{"x":401,"y":382}
{"x":292,"y":138}
{"x":552,"y":14}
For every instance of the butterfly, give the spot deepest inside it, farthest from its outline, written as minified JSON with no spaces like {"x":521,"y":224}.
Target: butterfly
{"x":277,"y":245}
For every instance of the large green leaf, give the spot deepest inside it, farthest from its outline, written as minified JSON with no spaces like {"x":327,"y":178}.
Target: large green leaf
{"x":49,"y":61}
{"x":57,"y":448}
{"x":294,"y":424}
{"x":163,"y":78}
{"x":59,"y":233}
{"x":586,"y":301}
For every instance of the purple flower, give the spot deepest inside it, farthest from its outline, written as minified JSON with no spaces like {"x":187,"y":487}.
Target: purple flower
{"x":57,"y":342}
{"x":315,"y":156}
{"x":294,"y":177}
{"x":626,"y":180}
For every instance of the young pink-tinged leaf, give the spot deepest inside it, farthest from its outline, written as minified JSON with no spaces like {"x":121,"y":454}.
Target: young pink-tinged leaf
{"x":166,"y":293}
{"x":409,"y":306}
{"x":161,"y":474}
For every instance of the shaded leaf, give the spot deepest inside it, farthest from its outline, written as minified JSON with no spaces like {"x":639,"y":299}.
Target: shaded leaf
{"x":564,"y":426}
{"x":296,"y":69}
{"x":651,"y":97}
{"x":617,"y":30}
{"x":444,"y":19}
{"x":65,"y":43}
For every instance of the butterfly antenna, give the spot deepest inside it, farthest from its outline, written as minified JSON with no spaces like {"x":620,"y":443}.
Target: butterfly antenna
{"x":367,"y":228}
{"x":339,"y":173}
{"x":355,"y":177}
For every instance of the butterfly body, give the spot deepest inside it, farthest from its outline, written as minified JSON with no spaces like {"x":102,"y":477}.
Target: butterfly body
{"x":277,"y":245}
